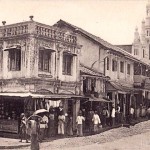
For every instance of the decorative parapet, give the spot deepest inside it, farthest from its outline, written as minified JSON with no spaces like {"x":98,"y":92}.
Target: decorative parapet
{"x":38,"y":29}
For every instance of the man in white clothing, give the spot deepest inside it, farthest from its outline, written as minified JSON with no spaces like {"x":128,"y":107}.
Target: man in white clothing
{"x":79,"y":122}
{"x":113,"y":115}
{"x":96,"y":121}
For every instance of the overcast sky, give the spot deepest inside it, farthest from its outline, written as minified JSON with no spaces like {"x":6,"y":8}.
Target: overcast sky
{"x":112,"y":20}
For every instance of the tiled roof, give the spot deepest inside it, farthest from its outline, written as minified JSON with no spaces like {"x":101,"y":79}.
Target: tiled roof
{"x":127,"y":48}
{"x":84,"y":70}
{"x":99,"y":40}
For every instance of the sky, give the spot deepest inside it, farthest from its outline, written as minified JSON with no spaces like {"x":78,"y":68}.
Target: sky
{"x":112,"y":20}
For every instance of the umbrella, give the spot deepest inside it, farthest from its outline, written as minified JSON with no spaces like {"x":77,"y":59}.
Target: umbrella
{"x":34,"y":117}
{"x":40,"y":111}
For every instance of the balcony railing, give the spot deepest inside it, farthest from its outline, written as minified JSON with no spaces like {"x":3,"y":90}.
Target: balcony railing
{"x":37,"y":29}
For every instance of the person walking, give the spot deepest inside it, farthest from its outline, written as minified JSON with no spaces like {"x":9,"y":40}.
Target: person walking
{"x":34,"y":125}
{"x":23,"y":128}
{"x":96,"y":121}
{"x":113,"y":112}
{"x":79,"y":122}
{"x":61,"y":123}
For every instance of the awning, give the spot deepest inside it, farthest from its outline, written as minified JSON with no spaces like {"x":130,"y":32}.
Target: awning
{"x":34,"y":95}
{"x":16,"y":46}
{"x":115,"y":86}
{"x":99,"y":99}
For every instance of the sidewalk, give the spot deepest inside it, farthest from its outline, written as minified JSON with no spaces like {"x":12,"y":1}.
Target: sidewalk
{"x":8,"y":143}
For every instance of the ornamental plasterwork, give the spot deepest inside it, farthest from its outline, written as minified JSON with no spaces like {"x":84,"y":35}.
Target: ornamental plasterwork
{"x":64,"y":47}
{"x":21,"y":42}
{"x":48,"y":44}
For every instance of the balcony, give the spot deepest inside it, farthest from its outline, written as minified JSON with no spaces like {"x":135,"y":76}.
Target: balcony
{"x":38,"y":29}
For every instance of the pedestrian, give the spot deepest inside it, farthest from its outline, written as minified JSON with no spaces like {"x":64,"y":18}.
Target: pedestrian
{"x":70,"y":125}
{"x":51,"y":123}
{"x":61,"y":123}
{"x":79,"y":122}
{"x":108,"y":122}
{"x":23,"y":128}
{"x":113,"y":115}
{"x":148,"y":112}
{"x":34,"y":125}
{"x":96,"y":121}
{"x":104,"y":114}
{"x":89,"y":120}
{"x":118,"y":114}
{"x":131,"y":112}
{"x":45,"y":127}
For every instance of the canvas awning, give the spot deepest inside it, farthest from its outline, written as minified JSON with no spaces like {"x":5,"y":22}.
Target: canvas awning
{"x":35,"y":95}
{"x":114,"y":86}
{"x":99,"y":99}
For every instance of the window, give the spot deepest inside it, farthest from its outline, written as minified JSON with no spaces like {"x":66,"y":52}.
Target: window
{"x":135,"y":51}
{"x":114,"y":65}
{"x":67,"y":63}
{"x":122,"y":66}
{"x":45,"y":60}
{"x":143,"y":53}
{"x":149,"y":51}
{"x":14,"y":59}
{"x":128,"y":68}
{"x":107,"y":63}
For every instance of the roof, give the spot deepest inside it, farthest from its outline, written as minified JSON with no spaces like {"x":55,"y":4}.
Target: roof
{"x":98,"y":40}
{"x":116,"y":86}
{"x":84,"y":70}
{"x":127,"y":48}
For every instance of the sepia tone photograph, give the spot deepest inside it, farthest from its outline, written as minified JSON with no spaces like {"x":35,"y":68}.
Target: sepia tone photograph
{"x":75,"y":74}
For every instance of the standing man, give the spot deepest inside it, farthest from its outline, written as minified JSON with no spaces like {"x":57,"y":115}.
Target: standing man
{"x":96,"y":121}
{"x":113,"y":115}
{"x":79,"y":121}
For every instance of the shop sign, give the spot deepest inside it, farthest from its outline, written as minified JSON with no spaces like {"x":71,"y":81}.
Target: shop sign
{"x":45,"y":76}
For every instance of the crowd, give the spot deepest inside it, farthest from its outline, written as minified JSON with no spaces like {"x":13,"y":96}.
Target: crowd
{"x":56,"y":122}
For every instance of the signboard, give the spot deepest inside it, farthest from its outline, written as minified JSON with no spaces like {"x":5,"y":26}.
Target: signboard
{"x":9,"y":126}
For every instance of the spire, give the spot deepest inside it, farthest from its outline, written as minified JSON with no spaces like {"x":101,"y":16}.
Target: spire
{"x":148,"y":8}
{"x":143,"y":31}
{"x":136,"y":36}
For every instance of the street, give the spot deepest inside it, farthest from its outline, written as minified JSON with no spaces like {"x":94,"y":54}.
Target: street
{"x":133,"y":138}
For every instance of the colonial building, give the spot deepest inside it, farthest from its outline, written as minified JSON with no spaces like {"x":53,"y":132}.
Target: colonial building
{"x":39,"y":68}
{"x":140,"y":49}
{"x":108,"y":60}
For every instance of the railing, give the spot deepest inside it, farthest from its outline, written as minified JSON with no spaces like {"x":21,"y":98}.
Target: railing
{"x":55,"y":34}
{"x":14,"y":30}
{"x":38,"y":29}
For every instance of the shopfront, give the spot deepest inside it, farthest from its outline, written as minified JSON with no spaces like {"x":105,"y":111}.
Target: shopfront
{"x":13,"y":104}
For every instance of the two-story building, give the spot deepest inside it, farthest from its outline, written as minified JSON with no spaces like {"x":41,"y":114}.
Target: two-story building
{"x":39,"y":68}
{"x":109,"y":60}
